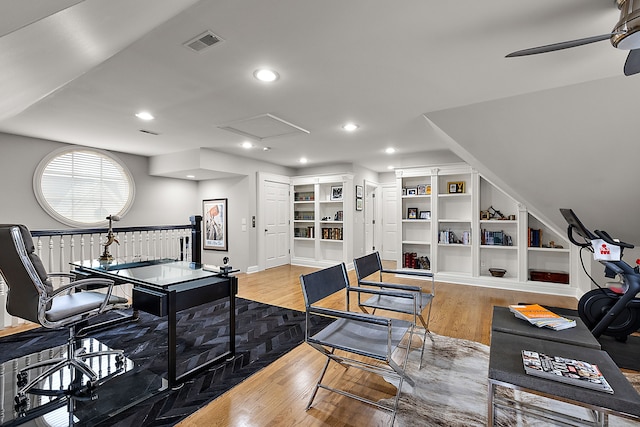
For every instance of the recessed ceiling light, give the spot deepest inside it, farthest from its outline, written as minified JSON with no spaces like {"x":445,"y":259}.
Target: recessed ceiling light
{"x":191,"y":176}
{"x":390,"y":167}
{"x":266,"y":148}
{"x":303,"y":160}
{"x":350,"y":127}
{"x":390,"y":150}
{"x":144,"y":115}
{"x":247,"y":145}
{"x":266,"y":75}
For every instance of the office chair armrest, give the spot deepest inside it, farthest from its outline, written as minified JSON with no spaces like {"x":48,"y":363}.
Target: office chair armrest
{"x":412,"y":272}
{"x":409,"y":288}
{"x":61,"y":275}
{"x":359,"y":317}
{"x":398,"y":294}
{"x":104,"y":283}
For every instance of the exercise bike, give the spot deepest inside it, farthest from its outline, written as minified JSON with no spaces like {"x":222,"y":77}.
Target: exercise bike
{"x":612,"y":311}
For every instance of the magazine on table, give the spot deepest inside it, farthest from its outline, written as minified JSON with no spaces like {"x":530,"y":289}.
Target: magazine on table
{"x":562,"y":369}
{"x":541,"y":317}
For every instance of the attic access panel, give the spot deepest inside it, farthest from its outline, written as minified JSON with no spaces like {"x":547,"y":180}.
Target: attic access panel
{"x":263,"y":127}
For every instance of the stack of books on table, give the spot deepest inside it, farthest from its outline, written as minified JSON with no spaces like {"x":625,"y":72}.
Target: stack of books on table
{"x":541,"y":317}
{"x":568,"y":371}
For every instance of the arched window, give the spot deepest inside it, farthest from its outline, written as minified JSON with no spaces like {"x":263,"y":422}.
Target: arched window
{"x":81,"y":186}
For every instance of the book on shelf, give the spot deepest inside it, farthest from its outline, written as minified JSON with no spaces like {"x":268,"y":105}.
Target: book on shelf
{"x":541,"y":317}
{"x":535,"y":237}
{"x":565,"y":370}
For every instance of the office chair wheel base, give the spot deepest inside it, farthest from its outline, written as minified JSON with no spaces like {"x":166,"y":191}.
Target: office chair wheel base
{"x":22,"y":379}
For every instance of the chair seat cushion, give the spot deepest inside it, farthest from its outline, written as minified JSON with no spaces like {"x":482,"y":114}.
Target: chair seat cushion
{"x":401,"y":305}
{"x":68,"y":306}
{"x":362,"y":338}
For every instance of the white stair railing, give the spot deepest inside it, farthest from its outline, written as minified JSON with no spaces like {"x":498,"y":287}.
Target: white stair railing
{"x":59,"y":248}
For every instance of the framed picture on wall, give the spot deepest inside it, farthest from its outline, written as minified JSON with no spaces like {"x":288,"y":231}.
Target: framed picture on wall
{"x":214,"y":218}
{"x":359,"y":204}
{"x":359,"y":191}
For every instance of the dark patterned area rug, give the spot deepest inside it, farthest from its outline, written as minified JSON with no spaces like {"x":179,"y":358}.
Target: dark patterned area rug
{"x":263,"y":334}
{"x":451,"y":390}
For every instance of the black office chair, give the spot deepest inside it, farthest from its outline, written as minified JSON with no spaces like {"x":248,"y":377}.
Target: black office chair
{"x":369,"y":271}
{"x":31,"y":297}
{"x":357,"y":340}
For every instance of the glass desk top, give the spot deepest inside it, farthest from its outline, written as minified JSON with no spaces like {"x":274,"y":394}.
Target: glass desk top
{"x":157,"y":272}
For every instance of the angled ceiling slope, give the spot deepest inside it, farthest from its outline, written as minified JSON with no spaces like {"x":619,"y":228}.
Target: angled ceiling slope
{"x":26,"y":71}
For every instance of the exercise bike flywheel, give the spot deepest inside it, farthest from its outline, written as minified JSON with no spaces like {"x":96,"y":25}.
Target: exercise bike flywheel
{"x":595,"y":304}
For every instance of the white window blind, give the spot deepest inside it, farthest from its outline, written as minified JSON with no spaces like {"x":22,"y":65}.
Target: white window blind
{"x":81,"y":187}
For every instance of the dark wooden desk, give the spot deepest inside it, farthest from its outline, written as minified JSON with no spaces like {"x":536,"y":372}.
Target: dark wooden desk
{"x":506,"y":370}
{"x":164,"y":287}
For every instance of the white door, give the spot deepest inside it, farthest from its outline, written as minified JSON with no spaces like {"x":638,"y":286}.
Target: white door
{"x":276,"y":204}
{"x":389,"y":223}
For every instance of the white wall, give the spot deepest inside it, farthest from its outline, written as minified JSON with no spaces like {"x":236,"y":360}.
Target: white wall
{"x":158,"y":201}
{"x":241,"y":252}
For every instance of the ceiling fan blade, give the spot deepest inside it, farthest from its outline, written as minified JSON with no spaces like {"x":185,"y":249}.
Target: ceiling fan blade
{"x":632,"y":65}
{"x":561,"y":45}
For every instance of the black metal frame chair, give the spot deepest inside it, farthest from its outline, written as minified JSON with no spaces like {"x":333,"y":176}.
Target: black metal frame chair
{"x":363,"y":341}
{"x":31,"y":297}
{"x":367,"y":267}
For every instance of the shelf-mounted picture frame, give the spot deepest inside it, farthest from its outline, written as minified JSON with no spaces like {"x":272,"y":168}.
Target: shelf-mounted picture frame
{"x":359,"y":204}
{"x":413,"y":191}
{"x":422,"y":190}
{"x":412,"y":213}
{"x":455,"y":187}
{"x":425,"y":214}
{"x":214,"y":214}
{"x":336,"y":192}
{"x":359,"y":191}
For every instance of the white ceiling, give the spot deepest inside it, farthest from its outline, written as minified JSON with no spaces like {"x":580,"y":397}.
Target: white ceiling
{"x":77,"y":71}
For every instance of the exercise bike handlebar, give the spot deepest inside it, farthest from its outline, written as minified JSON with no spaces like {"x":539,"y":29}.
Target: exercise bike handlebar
{"x":570,"y":230}
{"x":610,"y":240}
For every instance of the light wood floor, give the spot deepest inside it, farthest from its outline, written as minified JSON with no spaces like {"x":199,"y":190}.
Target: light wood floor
{"x":277,"y":395}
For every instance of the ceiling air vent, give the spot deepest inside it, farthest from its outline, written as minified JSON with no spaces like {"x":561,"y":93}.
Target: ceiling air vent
{"x":203,"y":41}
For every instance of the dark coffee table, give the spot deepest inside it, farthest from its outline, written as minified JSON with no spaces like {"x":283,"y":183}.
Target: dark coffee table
{"x":506,"y":369}
{"x":507,"y":322}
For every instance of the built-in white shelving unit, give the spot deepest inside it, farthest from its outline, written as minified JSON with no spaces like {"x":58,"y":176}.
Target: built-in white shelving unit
{"x":322,"y":215}
{"x":465,"y":225}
